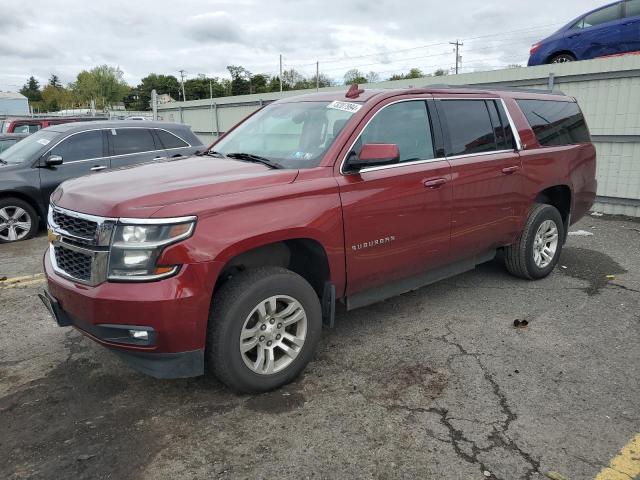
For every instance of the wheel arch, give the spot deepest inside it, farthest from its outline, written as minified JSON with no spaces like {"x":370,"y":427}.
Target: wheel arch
{"x":25,"y":198}
{"x":559,"y":52}
{"x":303,"y":255}
{"x":559,"y":196}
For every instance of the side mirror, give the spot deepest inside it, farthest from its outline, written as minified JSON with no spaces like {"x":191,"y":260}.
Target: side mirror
{"x":53,"y":160}
{"x":374,"y":155}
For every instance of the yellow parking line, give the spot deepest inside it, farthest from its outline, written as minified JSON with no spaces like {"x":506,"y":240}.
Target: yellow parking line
{"x":626,"y":465}
{"x":24,"y":280}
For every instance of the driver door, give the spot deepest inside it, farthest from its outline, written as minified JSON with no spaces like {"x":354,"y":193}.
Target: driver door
{"x":396,"y":217}
{"x":82,"y":153}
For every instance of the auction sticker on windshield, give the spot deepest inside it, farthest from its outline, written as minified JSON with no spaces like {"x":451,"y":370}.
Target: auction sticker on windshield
{"x":44,"y":141}
{"x":345,"y":106}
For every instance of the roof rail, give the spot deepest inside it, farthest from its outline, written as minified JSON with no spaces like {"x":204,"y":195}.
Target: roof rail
{"x":480,"y":86}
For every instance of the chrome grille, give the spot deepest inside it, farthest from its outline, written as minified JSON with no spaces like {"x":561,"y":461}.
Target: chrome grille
{"x":76,"y":226}
{"x":79,"y":247}
{"x":74,"y":263}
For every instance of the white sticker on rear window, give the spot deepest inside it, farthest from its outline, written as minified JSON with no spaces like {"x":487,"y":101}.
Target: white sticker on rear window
{"x":345,"y":106}
{"x":44,"y":141}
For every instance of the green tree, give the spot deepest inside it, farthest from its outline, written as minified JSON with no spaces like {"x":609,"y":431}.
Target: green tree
{"x":440,"y":73}
{"x":397,"y":76}
{"x":414,"y":73}
{"x":54,"y":81}
{"x":56,"y":98}
{"x":31,"y":90}
{"x":259,"y":83}
{"x":163,"y":84}
{"x":354,"y":76}
{"x":200,"y":87}
{"x":240,"y":76}
{"x":103,"y":84}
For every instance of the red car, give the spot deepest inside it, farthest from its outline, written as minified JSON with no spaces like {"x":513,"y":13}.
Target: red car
{"x":32,"y":125}
{"x":232,"y":261}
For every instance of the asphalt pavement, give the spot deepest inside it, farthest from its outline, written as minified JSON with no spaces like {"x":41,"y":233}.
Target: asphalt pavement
{"x":434,"y":384}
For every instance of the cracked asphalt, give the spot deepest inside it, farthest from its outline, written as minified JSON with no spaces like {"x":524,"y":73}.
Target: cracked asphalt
{"x":434,"y":384}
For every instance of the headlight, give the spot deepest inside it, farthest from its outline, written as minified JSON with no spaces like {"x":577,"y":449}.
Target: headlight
{"x":137,"y":245}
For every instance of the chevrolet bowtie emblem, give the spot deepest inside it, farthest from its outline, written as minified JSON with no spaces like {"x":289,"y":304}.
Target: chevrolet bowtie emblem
{"x":52,"y":236}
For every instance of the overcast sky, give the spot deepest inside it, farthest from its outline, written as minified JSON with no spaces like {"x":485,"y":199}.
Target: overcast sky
{"x":142,"y":36}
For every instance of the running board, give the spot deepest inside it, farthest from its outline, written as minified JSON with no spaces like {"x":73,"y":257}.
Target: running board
{"x":409,"y":284}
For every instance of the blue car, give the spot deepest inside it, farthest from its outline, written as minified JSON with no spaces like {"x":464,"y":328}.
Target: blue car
{"x":608,"y":30}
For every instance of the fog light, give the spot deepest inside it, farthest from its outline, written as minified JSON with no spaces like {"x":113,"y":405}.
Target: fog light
{"x":139,"y":334}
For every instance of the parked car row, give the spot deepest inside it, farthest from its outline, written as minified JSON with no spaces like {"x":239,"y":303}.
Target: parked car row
{"x":609,"y":30}
{"x":33,"y":168}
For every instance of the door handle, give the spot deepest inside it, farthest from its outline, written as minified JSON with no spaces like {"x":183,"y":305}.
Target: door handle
{"x":435,"y":182}
{"x":510,"y":170}
{"x":159,"y":158}
{"x":98,"y":168}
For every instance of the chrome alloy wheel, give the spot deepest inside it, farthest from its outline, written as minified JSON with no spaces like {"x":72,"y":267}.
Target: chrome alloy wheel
{"x":273,"y":334}
{"x":545,"y":243}
{"x":15,"y":223}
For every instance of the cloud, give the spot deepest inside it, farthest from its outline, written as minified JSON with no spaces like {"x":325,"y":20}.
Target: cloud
{"x":145,"y":36}
{"x":219,"y":27}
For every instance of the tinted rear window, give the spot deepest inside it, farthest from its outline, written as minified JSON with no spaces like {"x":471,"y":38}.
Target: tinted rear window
{"x":468,"y":123}
{"x":169,"y":140}
{"x":555,"y":123}
{"x":132,"y":140}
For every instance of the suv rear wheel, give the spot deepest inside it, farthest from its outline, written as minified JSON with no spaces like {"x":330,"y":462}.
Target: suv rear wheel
{"x":536,"y":252}
{"x":18,"y":220}
{"x":263,"y":329}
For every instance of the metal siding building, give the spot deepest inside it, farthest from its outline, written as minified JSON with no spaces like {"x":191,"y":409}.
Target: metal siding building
{"x":608,"y":91}
{"x":13,"y":104}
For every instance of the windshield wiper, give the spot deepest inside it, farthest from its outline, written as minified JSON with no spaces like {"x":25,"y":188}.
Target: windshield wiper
{"x":3,"y":161}
{"x":212,"y":153}
{"x":250,"y":157}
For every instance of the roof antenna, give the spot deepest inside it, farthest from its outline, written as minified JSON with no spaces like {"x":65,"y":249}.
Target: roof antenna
{"x":354,"y":91}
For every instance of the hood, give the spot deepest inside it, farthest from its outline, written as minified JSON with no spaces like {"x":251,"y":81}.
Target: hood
{"x":141,"y":190}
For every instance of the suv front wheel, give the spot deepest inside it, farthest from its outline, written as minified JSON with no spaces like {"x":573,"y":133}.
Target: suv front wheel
{"x":263,"y":329}
{"x":537,"y":250}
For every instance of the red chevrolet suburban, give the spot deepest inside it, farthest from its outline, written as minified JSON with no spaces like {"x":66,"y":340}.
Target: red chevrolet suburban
{"x":232,"y":260}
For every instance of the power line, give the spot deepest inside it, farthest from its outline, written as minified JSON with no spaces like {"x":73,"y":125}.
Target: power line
{"x":390,"y":52}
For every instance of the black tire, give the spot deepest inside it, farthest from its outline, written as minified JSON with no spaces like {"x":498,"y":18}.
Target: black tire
{"x":519,"y":257}
{"x":231,"y":306}
{"x":9,"y":205}
{"x":562,"y":58}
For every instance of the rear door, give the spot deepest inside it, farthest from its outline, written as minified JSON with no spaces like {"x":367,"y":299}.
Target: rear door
{"x":597,"y":34}
{"x":631,"y":26}
{"x":133,"y":145}
{"x":486,"y":174}
{"x":82,"y":153}
{"x":396,"y":217}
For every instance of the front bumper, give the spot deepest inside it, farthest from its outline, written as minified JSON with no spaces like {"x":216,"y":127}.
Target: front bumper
{"x":174,"y":311}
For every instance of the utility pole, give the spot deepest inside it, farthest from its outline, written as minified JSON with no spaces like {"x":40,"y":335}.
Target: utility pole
{"x":280,"y":72}
{"x":317,"y":76}
{"x":458,"y":44}
{"x":182,"y":73}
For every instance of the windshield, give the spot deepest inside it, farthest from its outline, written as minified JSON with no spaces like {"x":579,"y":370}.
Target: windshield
{"x":293,"y":135}
{"x":26,"y":149}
